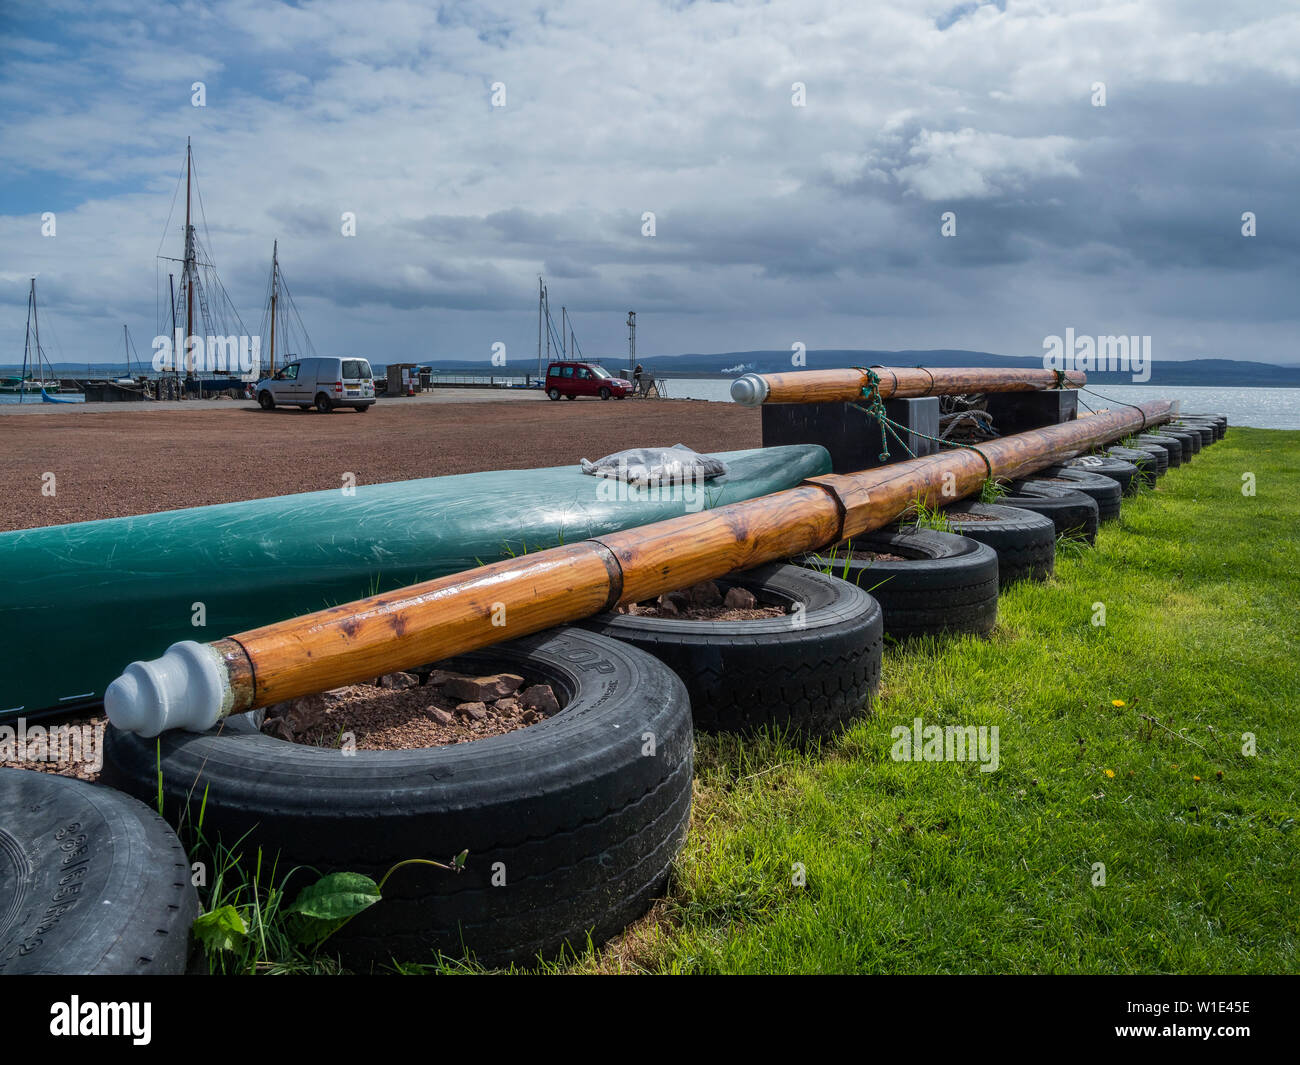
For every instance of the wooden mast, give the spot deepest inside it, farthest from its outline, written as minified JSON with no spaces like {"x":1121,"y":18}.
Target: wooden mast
{"x":27,"y":340}
{"x":194,"y":685}
{"x":845,"y":386}
{"x":275,"y":267}
{"x":189,"y":267}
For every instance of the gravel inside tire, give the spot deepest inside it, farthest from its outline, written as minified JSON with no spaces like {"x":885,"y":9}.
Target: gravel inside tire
{"x":804,"y":674}
{"x":571,"y":824}
{"x":1071,"y":512}
{"x":1106,"y":492}
{"x":945,"y":584}
{"x":1025,"y":541}
{"x":92,"y":882}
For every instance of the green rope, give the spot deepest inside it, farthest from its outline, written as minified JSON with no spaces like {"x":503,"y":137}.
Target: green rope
{"x":876,"y":409}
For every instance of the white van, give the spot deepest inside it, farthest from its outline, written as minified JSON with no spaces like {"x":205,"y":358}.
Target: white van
{"x":324,"y":383}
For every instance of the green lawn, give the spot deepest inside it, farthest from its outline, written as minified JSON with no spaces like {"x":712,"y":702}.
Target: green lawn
{"x":939,"y":867}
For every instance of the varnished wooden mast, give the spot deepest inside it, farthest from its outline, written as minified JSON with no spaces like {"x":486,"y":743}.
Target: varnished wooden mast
{"x":842,"y":386}
{"x":437,"y":619}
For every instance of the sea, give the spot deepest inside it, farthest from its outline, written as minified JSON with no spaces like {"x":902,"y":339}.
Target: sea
{"x":1260,"y":408}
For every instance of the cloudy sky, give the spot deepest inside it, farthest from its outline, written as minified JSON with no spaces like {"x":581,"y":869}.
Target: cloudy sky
{"x":774,"y":223}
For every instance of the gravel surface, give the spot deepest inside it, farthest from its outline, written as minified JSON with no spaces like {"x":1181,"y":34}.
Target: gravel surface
{"x":369,"y":717}
{"x":71,"y":746}
{"x":110,"y":464}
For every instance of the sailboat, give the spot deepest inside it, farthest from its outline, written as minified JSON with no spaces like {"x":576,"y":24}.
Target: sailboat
{"x":281,"y":322}
{"x":31,"y":380}
{"x":200,"y":304}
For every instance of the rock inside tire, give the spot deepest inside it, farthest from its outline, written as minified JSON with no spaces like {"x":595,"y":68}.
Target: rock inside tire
{"x":803,"y":674}
{"x":571,"y":824}
{"x":945,"y":584}
{"x":92,"y":882}
{"x":1025,"y":541}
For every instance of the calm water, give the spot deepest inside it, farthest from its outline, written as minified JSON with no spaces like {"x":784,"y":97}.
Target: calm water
{"x":1262,"y":408}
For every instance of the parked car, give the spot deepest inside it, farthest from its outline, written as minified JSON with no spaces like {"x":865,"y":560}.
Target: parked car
{"x":324,"y":383}
{"x":574,"y":379}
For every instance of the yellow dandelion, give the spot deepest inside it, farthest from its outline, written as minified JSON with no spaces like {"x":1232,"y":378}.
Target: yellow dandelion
{"x":1197,"y":779}
{"x":1117,"y":702}
{"x":1110,"y":773}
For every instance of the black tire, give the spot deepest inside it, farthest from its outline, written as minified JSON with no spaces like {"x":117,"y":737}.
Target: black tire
{"x":553,"y":393}
{"x":1072,"y":512}
{"x":1205,"y":430}
{"x":323,"y":403}
{"x":1123,"y":473}
{"x":265,"y":400}
{"x":1173,"y":448}
{"x":1152,"y":459}
{"x":604,"y":393}
{"x":744,"y":676}
{"x":1219,"y":421}
{"x":91,"y":882}
{"x":1105,"y":491}
{"x":946,"y":583}
{"x":585,"y":824}
{"x":1189,"y":441}
{"x":1024,"y":540}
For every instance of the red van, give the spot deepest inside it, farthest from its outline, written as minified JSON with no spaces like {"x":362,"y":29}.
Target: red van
{"x":574,"y":379}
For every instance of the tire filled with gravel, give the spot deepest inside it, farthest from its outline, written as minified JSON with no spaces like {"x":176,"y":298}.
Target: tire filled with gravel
{"x":1105,"y":491}
{"x":927,"y":582}
{"x":804,"y":671}
{"x":571,"y":824}
{"x":1025,"y":541}
{"x":1121,"y":471}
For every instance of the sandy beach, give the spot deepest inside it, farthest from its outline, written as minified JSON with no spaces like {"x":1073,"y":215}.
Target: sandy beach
{"x":112,"y":460}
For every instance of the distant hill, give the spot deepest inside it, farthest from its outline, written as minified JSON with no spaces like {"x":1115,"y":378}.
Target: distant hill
{"x":1228,"y":372}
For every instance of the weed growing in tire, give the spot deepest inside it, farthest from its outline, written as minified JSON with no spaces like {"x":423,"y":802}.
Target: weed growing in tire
{"x":246,"y":928}
{"x":923,"y":516}
{"x":1071,"y":545}
{"x":992,"y":490}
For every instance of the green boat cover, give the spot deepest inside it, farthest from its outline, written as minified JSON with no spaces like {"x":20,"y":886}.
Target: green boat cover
{"x":79,"y":602}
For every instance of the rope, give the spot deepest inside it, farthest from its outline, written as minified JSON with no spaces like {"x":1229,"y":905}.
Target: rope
{"x":876,"y":409}
{"x":1091,"y":392}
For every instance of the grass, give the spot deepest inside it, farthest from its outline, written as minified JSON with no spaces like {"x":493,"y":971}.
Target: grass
{"x":1121,"y":745}
{"x":938,"y":867}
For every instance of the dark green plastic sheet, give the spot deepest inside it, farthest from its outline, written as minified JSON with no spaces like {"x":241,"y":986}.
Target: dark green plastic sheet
{"x":79,"y":602}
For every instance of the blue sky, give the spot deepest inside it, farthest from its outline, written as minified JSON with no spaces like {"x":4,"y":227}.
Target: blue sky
{"x":774,"y":223}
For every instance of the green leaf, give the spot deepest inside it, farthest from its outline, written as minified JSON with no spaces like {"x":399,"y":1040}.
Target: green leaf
{"x":324,"y":907}
{"x":458,"y":862}
{"x":336,"y":896}
{"x":220,"y":929}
